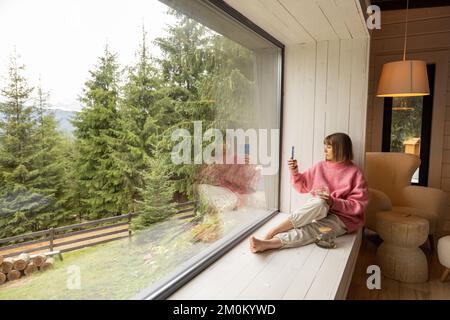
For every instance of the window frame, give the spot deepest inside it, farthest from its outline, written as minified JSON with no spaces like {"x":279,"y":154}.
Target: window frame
{"x":175,"y":280}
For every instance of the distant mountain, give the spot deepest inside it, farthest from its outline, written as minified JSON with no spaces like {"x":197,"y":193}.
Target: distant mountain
{"x":63,"y":117}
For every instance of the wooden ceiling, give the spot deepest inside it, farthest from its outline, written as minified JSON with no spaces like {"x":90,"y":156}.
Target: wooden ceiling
{"x":302,"y":21}
{"x":401,"y":4}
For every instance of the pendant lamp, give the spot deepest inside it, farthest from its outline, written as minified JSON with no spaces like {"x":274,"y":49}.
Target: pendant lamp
{"x":406,"y":78}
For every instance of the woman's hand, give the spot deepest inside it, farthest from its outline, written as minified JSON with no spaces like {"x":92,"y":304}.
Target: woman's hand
{"x":292,"y":164}
{"x":328,"y":199}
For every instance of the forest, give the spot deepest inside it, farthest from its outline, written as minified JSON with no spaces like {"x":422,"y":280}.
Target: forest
{"x":118,"y":159}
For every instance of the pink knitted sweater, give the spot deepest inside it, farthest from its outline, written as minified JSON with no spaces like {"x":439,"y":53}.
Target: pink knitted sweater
{"x":347,"y":188}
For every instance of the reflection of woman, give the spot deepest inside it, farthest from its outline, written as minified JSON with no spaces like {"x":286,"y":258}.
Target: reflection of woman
{"x":235,"y":174}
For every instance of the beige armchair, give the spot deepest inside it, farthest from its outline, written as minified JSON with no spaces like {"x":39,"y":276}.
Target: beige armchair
{"x":388,"y":176}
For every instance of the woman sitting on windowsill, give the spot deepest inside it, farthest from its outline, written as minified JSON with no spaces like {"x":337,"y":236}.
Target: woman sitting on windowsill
{"x":341,"y":208}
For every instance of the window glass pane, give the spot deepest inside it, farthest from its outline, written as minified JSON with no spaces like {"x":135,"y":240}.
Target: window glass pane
{"x":124,"y":112}
{"x":406,"y":127}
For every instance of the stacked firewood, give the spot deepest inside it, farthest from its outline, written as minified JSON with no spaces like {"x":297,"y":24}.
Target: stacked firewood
{"x":23,"y":265}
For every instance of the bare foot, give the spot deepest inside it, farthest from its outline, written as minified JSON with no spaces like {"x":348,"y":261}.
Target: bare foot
{"x":257,"y":245}
{"x":254,"y":244}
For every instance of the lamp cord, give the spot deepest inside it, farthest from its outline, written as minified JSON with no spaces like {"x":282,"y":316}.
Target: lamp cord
{"x":406,"y":30}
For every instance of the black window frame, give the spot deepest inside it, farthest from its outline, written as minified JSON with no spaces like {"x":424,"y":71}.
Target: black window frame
{"x":425,"y":134}
{"x":170,"y":284}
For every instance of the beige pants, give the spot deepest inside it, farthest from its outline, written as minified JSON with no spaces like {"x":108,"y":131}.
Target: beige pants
{"x":307,"y":220}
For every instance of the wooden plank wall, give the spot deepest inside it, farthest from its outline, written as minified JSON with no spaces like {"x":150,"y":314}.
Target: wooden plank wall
{"x":325,"y":92}
{"x":429,"y":40}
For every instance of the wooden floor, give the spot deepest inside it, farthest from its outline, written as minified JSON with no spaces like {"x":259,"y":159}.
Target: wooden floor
{"x":391,"y":289}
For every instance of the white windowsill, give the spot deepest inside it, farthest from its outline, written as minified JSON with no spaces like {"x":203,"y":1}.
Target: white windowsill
{"x":308,"y":272}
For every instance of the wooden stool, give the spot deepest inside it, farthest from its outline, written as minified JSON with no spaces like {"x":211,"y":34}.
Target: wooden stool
{"x":444,"y":255}
{"x":399,"y":256}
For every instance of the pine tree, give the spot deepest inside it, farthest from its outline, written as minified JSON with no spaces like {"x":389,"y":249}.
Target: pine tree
{"x":73,"y":193}
{"x":184,"y":52}
{"x":184,"y":66}
{"x":138,"y":126}
{"x":157,"y":195}
{"x":21,"y":200}
{"x":48,"y":162}
{"x":97,"y":132}
{"x":230,"y":83}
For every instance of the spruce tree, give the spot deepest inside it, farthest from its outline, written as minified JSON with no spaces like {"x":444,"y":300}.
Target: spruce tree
{"x":97,"y":132}
{"x":74,"y":193}
{"x":157,"y":195}
{"x":49,"y":162}
{"x":230,"y":83}
{"x":184,"y":52}
{"x":184,"y":66}
{"x":138,"y":122}
{"x":21,"y":201}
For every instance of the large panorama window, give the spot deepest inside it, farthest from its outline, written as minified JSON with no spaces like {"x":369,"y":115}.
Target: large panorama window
{"x":134,"y":137}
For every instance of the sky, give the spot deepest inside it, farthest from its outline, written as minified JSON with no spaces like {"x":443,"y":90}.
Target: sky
{"x":59,"y":41}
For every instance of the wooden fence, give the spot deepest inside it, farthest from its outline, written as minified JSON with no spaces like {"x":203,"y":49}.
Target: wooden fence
{"x":77,"y":236}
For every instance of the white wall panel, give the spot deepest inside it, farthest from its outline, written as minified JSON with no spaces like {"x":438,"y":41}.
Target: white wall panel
{"x":325,"y":92}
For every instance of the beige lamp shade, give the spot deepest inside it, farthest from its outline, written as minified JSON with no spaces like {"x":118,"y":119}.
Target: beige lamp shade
{"x":407,"y":78}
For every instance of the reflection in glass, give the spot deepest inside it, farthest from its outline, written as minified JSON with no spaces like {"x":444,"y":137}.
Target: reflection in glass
{"x":406,"y":127}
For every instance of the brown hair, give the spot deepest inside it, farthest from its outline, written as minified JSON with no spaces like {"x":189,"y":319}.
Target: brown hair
{"x":342,"y":146}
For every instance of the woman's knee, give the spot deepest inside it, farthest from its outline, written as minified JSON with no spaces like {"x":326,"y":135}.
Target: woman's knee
{"x":320,"y":202}
{"x":317,"y":202}
{"x":321,"y":207}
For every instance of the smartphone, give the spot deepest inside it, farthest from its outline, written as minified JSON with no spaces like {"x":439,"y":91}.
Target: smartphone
{"x":292,"y":153}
